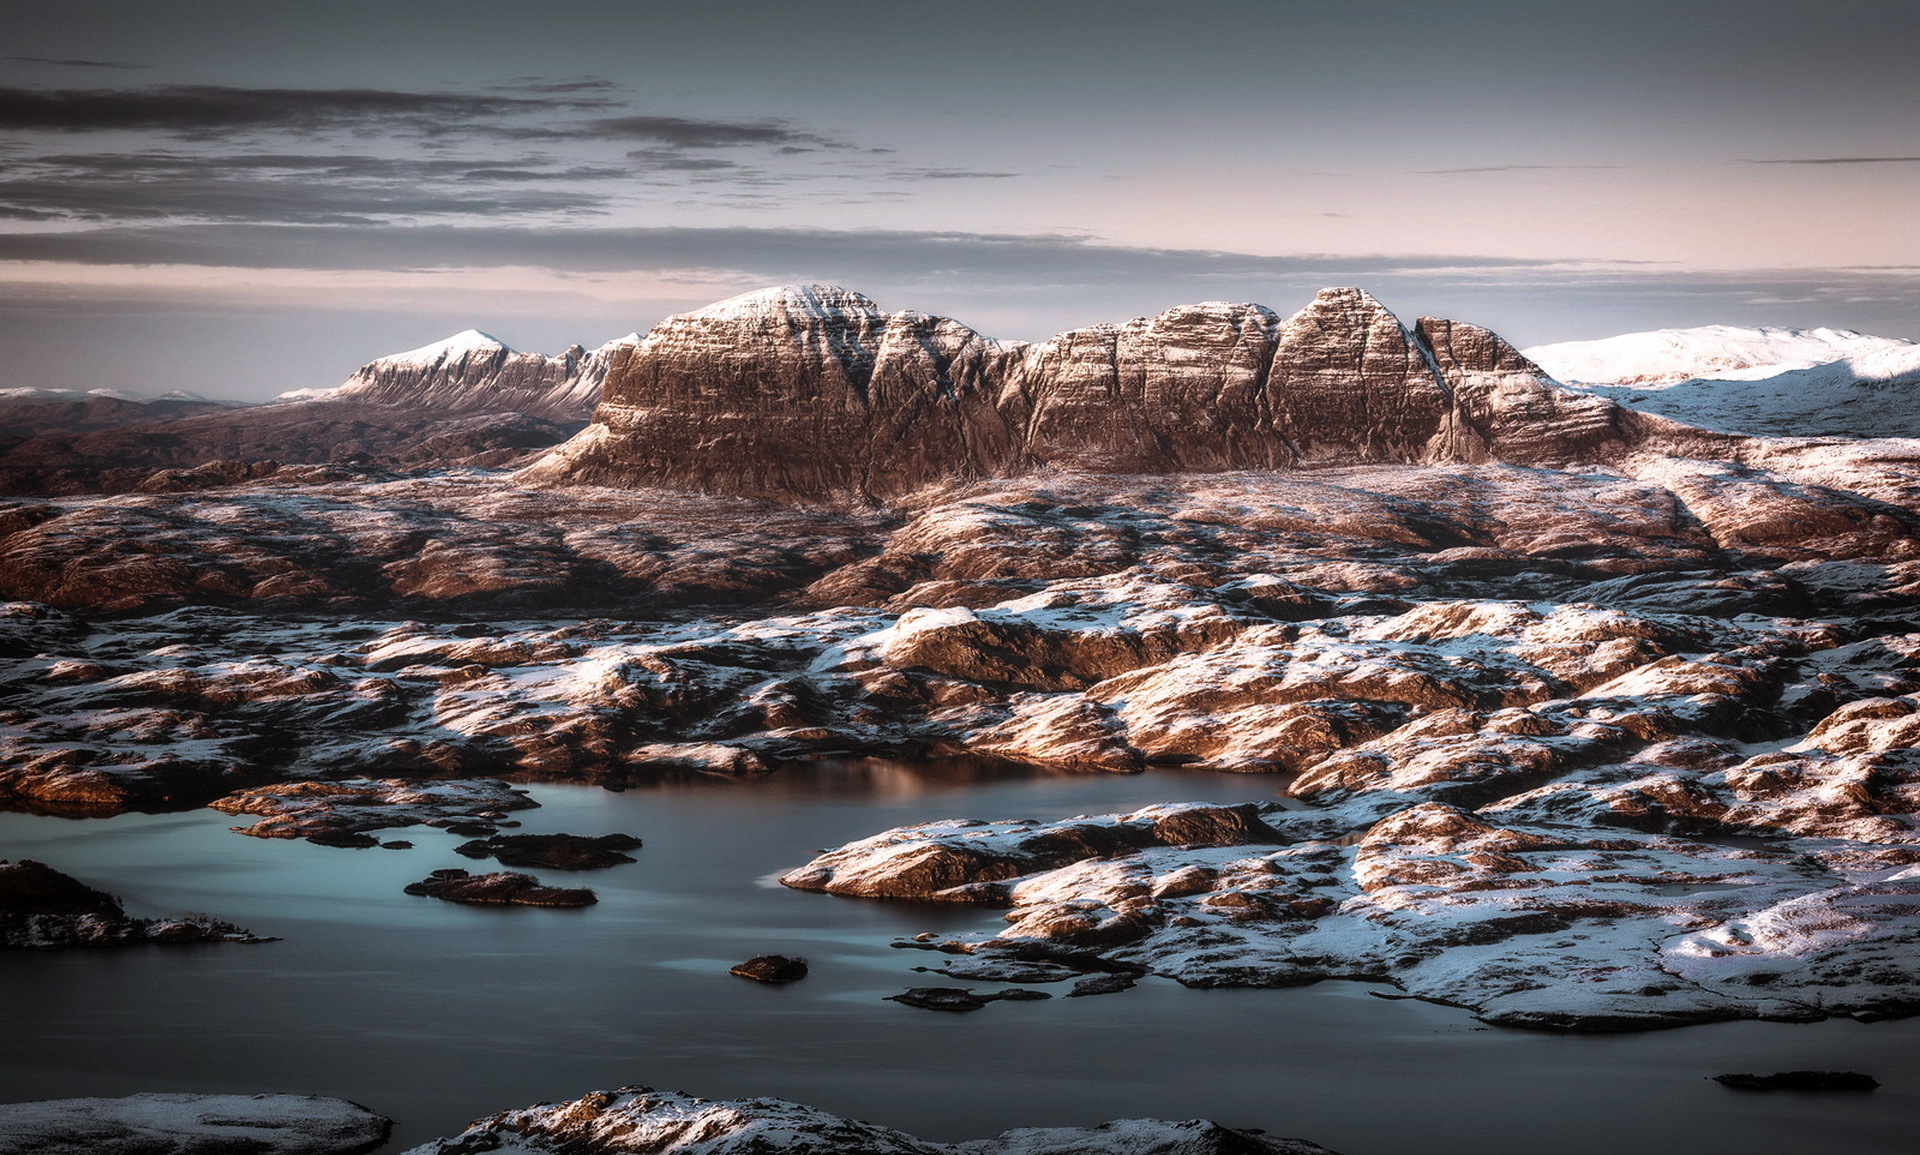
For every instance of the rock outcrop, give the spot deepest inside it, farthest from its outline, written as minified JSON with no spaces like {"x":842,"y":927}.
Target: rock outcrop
{"x":642,"y":1121}
{"x":179,"y":1124}
{"x":43,"y":909}
{"x":553,"y":851}
{"x":813,"y":392}
{"x":501,"y":888}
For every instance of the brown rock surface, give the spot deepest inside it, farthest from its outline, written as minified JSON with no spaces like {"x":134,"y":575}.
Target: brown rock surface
{"x":811,"y":391}
{"x":501,"y":888}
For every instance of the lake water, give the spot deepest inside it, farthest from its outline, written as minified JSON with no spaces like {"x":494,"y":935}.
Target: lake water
{"x":437,"y":1014}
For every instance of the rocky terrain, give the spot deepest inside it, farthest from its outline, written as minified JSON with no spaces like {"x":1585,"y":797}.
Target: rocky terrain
{"x":43,"y":909}
{"x":179,"y":1124}
{"x":1576,"y":718}
{"x":642,"y":1121}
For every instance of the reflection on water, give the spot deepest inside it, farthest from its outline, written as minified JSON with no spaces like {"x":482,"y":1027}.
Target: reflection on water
{"x":437,"y":1013}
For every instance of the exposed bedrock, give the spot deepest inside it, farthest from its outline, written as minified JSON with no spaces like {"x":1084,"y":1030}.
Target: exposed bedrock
{"x":1524,"y":924}
{"x":500,"y":888}
{"x":1406,"y":633}
{"x":812,"y":391}
{"x":642,"y":1121}
{"x":43,"y":909}
{"x":186,"y":1124}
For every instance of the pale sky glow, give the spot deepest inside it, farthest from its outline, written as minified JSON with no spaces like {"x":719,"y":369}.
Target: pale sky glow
{"x":238,"y":198}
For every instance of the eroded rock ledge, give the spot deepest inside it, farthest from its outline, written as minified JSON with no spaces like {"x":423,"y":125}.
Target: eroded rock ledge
{"x":1516,"y":914}
{"x":186,"y":1124}
{"x":642,"y":1121}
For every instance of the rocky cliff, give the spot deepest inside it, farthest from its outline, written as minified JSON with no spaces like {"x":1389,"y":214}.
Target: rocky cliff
{"x":812,"y":391}
{"x":474,"y":372}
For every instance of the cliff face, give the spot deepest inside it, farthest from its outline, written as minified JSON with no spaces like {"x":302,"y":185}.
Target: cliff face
{"x":812,"y":391}
{"x":472,"y":372}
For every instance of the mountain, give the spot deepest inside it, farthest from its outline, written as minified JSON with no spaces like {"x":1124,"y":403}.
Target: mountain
{"x":475,"y":372}
{"x":469,"y":400}
{"x":1720,"y":352}
{"x":1784,"y":382}
{"x":813,"y":391}
{"x":26,"y":412}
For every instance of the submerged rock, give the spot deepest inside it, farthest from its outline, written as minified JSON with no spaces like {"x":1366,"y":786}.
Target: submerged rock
{"x":642,"y":1121}
{"x":43,"y":909}
{"x":960,"y":999}
{"x":501,"y":888}
{"x":771,"y":968}
{"x":183,"y":1124}
{"x":553,"y":851}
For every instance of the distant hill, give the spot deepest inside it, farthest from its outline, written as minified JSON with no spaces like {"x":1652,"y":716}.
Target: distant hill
{"x":1779,"y":382}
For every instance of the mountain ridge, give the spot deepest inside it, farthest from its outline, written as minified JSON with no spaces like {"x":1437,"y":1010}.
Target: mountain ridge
{"x":812,"y":391}
{"x":476,"y":372}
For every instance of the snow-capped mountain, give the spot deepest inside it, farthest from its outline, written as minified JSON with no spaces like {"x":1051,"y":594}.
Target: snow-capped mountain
{"x":473,"y":372}
{"x":1785,"y":382}
{"x":1720,"y":352}
{"x":814,"y":390}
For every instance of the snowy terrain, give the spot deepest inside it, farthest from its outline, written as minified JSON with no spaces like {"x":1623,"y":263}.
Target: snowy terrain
{"x":1783,"y":382}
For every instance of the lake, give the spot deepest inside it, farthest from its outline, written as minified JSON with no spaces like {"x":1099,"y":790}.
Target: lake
{"x":437,"y":1014}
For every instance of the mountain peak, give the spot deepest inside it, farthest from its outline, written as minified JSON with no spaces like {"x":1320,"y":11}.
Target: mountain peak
{"x":810,"y":391}
{"x":460,"y":344}
{"x":790,"y":301}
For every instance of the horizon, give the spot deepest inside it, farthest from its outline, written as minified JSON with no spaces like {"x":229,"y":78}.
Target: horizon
{"x":237,"y":203}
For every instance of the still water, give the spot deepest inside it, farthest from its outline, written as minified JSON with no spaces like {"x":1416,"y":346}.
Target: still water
{"x":437,"y":1014}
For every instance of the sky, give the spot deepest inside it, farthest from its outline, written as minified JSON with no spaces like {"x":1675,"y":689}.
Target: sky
{"x":237,"y":199}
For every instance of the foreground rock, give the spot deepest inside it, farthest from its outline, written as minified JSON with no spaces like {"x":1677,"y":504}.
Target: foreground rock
{"x":177,"y":1124}
{"x":501,"y":888}
{"x":1529,"y":925}
{"x":43,"y":909}
{"x":771,"y":968}
{"x":553,"y":851}
{"x":642,"y":1121}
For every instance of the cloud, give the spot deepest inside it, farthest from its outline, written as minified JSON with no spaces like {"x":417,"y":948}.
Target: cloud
{"x":296,"y":187}
{"x":1505,"y":168}
{"x":549,"y":86}
{"x":203,"y":110}
{"x":1818,"y":160}
{"x":676,"y":132}
{"x":777,"y":253}
{"x":68,"y":63}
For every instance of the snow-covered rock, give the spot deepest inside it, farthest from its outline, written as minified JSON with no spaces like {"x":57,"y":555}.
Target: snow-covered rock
{"x":183,"y":1124}
{"x":472,"y":372}
{"x":643,"y":1121}
{"x":812,"y":391}
{"x":1720,"y":352}
{"x":1781,"y":382}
